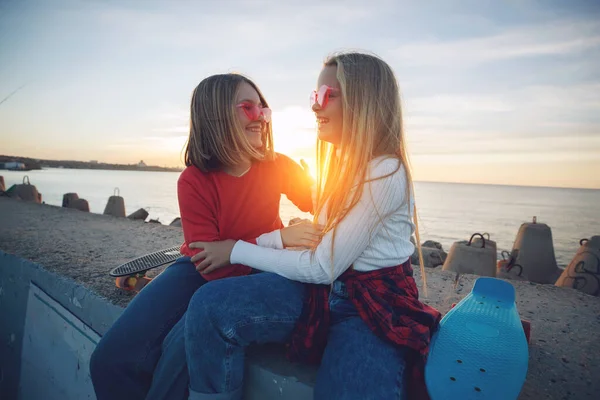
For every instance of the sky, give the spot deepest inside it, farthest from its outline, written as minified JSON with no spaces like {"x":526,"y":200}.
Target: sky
{"x":497,"y":92}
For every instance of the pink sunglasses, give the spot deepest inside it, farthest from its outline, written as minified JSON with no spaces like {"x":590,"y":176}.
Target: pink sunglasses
{"x":321,"y":96}
{"x":253,"y":112}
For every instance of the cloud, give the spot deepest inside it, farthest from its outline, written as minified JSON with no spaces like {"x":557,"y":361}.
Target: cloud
{"x":251,"y":28}
{"x":550,"y":39}
{"x":446,"y":103}
{"x":535,"y":123}
{"x":459,"y":145}
{"x":548,"y":108}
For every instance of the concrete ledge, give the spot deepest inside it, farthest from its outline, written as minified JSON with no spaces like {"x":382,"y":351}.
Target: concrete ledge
{"x":68,"y":254}
{"x":16,"y":277}
{"x":269,"y":375}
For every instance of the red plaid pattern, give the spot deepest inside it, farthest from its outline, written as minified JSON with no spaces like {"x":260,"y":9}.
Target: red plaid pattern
{"x":388,"y":301}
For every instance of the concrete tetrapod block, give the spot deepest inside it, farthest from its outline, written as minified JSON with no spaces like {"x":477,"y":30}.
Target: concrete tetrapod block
{"x":140,"y":214}
{"x":507,"y":268}
{"x":81,"y":205}
{"x":69,"y":199}
{"x":115,"y":205}
{"x":489,"y":243}
{"x":433,"y":254}
{"x":27,"y":192}
{"x":536,"y":253}
{"x":583,"y":273}
{"x":470,"y":258}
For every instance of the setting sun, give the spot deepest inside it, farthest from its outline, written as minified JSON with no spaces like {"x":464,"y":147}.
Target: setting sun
{"x":295,"y":134}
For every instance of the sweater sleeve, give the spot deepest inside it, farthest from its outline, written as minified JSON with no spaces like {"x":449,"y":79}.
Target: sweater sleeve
{"x":198,"y":216}
{"x":380,"y":198}
{"x":296,"y":183}
{"x":272,"y":240}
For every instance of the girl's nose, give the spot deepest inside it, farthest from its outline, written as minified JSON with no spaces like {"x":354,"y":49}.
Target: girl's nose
{"x":316,"y":107}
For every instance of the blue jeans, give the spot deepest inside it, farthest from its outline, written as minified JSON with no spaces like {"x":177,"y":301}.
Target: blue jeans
{"x":227,"y":315}
{"x":356,"y":363}
{"x":123,"y":364}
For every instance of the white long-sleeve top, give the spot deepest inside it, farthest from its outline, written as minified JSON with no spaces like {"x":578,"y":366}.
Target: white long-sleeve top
{"x":374,"y":234}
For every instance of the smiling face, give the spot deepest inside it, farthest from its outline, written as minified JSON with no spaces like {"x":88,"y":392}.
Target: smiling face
{"x":330,"y":117}
{"x":247,"y":96}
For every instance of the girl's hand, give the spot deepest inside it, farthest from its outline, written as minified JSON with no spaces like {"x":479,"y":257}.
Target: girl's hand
{"x":301,"y":233}
{"x":297,"y":220}
{"x":213,"y":255}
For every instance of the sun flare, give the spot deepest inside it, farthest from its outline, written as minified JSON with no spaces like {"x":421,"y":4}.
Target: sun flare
{"x":295,"y":135}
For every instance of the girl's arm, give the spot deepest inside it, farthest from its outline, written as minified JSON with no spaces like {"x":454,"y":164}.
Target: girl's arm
{"x":303,"y":234}
{"x":198,"y":214}
{"x":380,"y":198}
{"x":297,"y":184}
{"x":199,"y":220}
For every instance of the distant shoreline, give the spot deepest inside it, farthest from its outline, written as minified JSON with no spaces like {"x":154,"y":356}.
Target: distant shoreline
{"x":38,"y":164}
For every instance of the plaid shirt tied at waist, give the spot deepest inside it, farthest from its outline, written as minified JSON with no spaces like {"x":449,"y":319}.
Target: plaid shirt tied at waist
{"x":387,"y":300}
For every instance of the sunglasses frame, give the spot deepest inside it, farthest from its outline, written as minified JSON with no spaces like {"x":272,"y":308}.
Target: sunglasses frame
{"x":321,"y":96}
{"x":250,"y":110}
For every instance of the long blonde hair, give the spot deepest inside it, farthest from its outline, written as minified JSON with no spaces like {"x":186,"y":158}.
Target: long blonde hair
{"x":372,"y":126}
{"x":217,"y":138}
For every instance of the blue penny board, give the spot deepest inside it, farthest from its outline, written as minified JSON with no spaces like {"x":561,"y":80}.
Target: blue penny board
{"x":480,"y":350}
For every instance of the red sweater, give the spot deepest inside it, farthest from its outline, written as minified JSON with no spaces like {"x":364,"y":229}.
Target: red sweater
{"x":217,"y":206}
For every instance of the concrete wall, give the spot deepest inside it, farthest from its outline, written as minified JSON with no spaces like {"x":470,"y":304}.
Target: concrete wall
{"x":49,"y":326}
{"x":57,"y":348}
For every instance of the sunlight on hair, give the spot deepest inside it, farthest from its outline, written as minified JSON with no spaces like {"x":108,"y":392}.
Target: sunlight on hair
{"x":372,"y":128}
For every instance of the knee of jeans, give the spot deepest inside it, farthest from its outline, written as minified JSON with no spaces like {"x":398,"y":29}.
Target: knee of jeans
{"x":206,"y":311}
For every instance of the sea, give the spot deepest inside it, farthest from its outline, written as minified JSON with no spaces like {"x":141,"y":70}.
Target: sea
{"x":448,"y":212}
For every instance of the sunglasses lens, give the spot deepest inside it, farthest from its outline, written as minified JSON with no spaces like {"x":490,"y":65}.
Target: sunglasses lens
{"x":324,"y":95}
{"x":251,"y":112}
{"x":267,"y":114}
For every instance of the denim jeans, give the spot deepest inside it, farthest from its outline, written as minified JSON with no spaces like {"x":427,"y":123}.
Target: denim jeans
{"x":123,"y":364}
{"x":227,"y":315}
{"x":356,"y":363}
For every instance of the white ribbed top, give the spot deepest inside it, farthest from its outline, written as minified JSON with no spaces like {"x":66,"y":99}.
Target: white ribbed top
{"x":374,"y":234}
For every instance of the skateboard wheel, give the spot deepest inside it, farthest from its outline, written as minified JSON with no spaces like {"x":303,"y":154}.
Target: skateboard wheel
{"x":126,"y":282}
{"x":140,"y":283}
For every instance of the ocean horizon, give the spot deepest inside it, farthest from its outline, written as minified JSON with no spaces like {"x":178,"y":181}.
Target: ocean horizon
{"x":448,"y":212}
